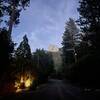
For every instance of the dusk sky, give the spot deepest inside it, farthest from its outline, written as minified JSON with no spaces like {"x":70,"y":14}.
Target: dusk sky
{"x":44,"y":22}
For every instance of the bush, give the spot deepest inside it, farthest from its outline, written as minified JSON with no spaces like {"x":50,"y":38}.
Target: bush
{"x":86,"y":71}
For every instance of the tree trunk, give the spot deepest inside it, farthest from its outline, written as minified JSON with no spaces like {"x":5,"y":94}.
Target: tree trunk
{"x":11,"y":20}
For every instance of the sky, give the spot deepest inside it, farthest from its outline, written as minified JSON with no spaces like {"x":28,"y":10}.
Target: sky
{"x":43,"y":22}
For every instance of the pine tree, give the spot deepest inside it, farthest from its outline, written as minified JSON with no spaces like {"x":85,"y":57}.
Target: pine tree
{"x":87,"y":70}
{"x":69,"y":40}
{"x":24,"y":49}
{"x":23,"y":56}
{"x":90,"y":20}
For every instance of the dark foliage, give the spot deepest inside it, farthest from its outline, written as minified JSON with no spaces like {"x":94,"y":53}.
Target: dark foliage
{"x":69,"y":42}
{"x":23,"y":56}
{"x":86,"y":72}
{"x":44,"y":64}
{"x":90,"y":20}
{"x":10,"y":9}
{"x":6,"y":50}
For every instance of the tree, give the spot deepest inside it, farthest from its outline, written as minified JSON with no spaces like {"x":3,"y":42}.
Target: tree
{"x":44,"y":64}
{"x":6,"y":49}
{"x":69,"y":42}
{"x":23,"y":56}
{"x":12,"y":9}
{"x":1,"y":10}
{"x":87,"y":71}
{"x":9,"y":14}
{"x":90,"y":21}
{"x":9,"y":10}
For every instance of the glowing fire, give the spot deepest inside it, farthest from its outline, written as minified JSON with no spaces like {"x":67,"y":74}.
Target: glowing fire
{"x":24,"y":82}
{"x":22,"y":79}
{"x":28,"y":83}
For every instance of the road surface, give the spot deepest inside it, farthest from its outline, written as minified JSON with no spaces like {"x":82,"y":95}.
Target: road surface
{"x":53,"y":90}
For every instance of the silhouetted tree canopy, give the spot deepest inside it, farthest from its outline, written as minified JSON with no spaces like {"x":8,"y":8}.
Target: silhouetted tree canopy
{"x":12,"y":9}
{"x":23,"y":56}
{"x":87,"y":71}
{"x":69,"y":40}
{"x":44,"y":63}
{"x":6,"y":50}
{"x":9,"y":16}
{"x":90,"y":20}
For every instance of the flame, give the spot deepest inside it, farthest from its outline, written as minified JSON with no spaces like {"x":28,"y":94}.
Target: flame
{"x":28,"y":83}
{"x":24,"y":81}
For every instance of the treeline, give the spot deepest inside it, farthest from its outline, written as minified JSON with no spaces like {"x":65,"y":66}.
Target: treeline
{"x":18,"y":62}
{"x":81,"y":47}
{"x":23,"y":63}
{"x":40,"y":62}
{"x":9,"y":17}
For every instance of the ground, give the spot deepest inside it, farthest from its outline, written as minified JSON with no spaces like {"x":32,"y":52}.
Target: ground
{"x":53,"y":90}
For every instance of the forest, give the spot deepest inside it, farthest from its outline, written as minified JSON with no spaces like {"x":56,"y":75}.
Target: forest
{"x":20,"y":68}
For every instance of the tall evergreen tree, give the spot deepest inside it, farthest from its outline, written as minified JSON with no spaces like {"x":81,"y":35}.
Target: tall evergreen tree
{"x":6,"y":49}
{"x":9,"y":9}
{"x":23,"y":56}
{"x":87,"y":70}
{"x":90,"y":20}
{"x":12,"y":9}
{"x":69,"y":40}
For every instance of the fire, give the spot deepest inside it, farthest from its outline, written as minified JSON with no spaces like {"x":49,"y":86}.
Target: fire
{"x":22,"y":79}
{"x":28,"y":83}
{"x":24,"y":82}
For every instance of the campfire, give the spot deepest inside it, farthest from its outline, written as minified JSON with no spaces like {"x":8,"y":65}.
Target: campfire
{"x":24,"y":82}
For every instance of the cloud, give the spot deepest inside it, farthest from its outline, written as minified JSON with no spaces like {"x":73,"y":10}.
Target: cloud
{"x":44,"y":22}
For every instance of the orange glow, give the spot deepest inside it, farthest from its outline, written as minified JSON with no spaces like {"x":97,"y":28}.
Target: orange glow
{"x":28,"y":83}
{"x":24,"y":82}
{"x":22,"y":79}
